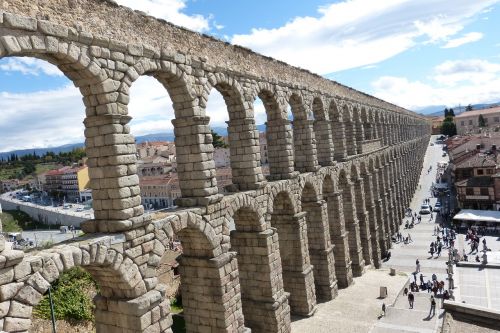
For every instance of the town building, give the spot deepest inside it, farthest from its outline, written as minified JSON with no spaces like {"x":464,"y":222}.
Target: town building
{"x":156,"y":148}
{"x":154,"y":166}
{"x":468,"y":122}
{"x":222,"y":157}
{"x":473,"y":164}
{"x":264,"y":160}
{"x":9,"y":185}
{"x":436,"y":125}
{"x":67,"y":181}
{"x":158,"y":192}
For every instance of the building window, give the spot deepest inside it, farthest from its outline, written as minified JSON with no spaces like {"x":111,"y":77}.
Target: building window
{"x":497,"y":119}
{"x":470,"y":122}
{"x":463,"y":123}
{"x":480,"y":172}
{"x":489,"y":171}
{"x":469,"y":191}
{"x":484,"y":191}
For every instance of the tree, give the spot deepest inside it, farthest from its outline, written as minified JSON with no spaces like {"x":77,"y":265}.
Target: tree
{"x":446,"y":112}
{"x":481,"y":122}
{"x":468,"y":108}
{"x":451,"y":113}
{"x":217,"y":140}
{"x":448,"y":127}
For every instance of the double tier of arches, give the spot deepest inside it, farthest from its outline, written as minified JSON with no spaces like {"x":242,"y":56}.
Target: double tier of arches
{"x":331,"y":201}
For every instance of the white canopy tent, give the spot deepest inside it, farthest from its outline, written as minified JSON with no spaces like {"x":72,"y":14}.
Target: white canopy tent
{"x":478,"y":215}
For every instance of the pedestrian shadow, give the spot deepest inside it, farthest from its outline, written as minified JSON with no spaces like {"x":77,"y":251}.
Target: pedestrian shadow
{"x":428,"y":318}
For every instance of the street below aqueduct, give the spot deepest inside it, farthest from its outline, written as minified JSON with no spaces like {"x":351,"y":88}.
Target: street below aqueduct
{"x":357,"y":308}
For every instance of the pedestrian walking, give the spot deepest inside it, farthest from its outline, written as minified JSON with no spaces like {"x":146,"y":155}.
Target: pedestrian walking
{"x":411,"y":299}
{"x":383,"y":309}
{"x":417,"y":263}
{"x":433,"y":306}
{"x":409,"y":238}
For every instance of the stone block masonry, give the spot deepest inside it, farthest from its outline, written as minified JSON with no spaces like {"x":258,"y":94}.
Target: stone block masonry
{"x":337,"y":183}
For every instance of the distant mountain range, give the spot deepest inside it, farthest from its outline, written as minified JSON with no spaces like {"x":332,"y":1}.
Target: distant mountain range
{"x":167,"y":136}
{"x":438,"y":110}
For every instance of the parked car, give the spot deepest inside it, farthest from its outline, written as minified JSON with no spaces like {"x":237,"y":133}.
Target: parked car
{"x":425,"y":209}
{"x":436,"y":208}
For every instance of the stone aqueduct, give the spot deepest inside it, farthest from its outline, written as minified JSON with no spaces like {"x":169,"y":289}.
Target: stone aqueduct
{"x":341,"y":175}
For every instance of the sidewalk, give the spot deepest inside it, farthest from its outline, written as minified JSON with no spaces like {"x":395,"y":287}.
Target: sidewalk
{"x":399,"y":317}
{"x":356,"y":308}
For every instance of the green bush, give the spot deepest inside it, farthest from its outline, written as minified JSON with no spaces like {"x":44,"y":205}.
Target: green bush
{"x":16,"y":220}
{"x":9,"y":223}
{"x":70,"y":294}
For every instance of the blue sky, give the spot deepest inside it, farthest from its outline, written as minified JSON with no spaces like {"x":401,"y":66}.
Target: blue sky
{"x":414,"y":53}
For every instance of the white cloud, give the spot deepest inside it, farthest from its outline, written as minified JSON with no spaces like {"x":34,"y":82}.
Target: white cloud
{"x":29,"y":66}
{"x":170,"y":10}
{"x":41,"y":119}
{"x":465,"y":39}
{"x":357,"y":33}
{"x":475,"y":71}
{"x":452,"y":83}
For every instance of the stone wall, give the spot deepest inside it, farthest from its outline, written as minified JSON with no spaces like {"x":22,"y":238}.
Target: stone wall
{"x":43,"y":214}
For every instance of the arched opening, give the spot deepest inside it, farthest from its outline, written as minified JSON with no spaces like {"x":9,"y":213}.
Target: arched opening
{"x":338,"y":233}
{"x":351,"y":224}
{"x":338,"y":131}
{"x":350,"y":130}
{"x":298,"y":276}
{"x":260,"y":120}
{"x":367,"y":177}
{"x":118,"y":279}
{"x":320,"y":248}
{"x":323,"y":133}
{"x":366,"y":125}
{"x":304,"y":142}
{"x":278,"y":142}
{"x":235,"y":139}
{"x":202,"y":266}
{"x":379,"y":127}
{"x":261,"y":281}
{"x":361,"y":200}
{"x":151,"y":109}
{"x":358,"y":129}
{"x":381,"y":207}
{"x":42,"y":150}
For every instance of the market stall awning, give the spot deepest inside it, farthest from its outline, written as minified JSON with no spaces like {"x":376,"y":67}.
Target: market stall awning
{"x":478,"y":215}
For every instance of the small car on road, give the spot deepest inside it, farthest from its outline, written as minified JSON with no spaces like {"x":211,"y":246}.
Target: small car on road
{"x":425,"y":209}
